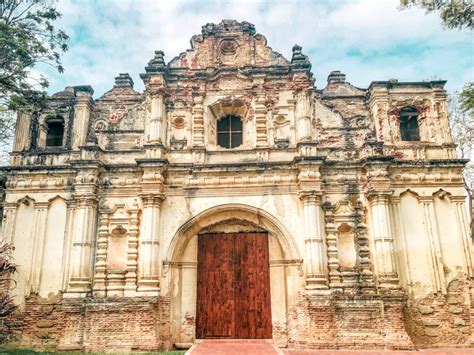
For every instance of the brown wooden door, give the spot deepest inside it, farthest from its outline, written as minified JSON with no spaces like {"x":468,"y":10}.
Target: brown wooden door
{"x":233,"y":295}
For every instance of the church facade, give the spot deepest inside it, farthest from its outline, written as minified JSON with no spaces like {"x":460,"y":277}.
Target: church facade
{"x":235,"y":199}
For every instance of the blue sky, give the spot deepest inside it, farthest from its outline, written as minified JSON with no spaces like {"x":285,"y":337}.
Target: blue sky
{"x":368,"y":40}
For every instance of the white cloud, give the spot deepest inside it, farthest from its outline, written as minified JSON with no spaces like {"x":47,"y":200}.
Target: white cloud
{"x":113,"y":36}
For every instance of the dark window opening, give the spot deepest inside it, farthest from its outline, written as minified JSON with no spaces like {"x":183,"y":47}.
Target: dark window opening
{"x":229,"y":131}
{"x":55,"y":134}
{"x":409,"y":130}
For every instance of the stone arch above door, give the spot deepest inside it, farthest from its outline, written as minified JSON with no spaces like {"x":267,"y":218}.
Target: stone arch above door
{"x":245,"y":213}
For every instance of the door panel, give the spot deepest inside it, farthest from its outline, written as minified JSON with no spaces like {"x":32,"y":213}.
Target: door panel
{"x":215,"y":292}
{"x":253,"y":286}
{"x":233,"y":286}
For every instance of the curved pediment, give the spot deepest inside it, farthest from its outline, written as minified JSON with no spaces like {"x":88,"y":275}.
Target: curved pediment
{"x":229,"y":43}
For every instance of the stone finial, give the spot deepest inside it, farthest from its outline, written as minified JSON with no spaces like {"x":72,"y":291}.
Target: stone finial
{"x":336,"y":77}
{"x":123,"y":80}
{"x":209,"y":29}
{"x":157,"y":64}
{"x":298,"y":59}
{"x":83,"y":88}
{"x":226,"y":27}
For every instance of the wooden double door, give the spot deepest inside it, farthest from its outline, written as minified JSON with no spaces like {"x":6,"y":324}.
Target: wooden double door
{"x":233,"y":287}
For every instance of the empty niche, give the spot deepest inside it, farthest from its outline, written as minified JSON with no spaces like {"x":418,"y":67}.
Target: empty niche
{"x":117,"y":250}
{"x":346,"y":247}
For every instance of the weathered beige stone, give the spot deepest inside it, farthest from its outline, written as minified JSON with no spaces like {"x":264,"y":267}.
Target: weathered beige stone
{"x":367,"y":231}
{"x":425,"y":309}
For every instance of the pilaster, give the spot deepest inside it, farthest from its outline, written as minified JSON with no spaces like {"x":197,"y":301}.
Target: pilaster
{"x":155,"y":117}
{"x":132,"y":254}
{"x":315,"y":258}
{"x":335,"y":281}
{"x":149,"y":242}
{"x":366,"y":277}
{"x":9,"y":218}
{"x":462,"y":221}
{"x":82,"y":112}
{"x":84,"y":229}
{"x":432,"y":233}
{"x":198,"y":120}
{"x":100,"y":276}
{"x":261,"y":120}
{"x":384,"y":253}
{"x":22,"y":132}
{"x":41,"y":212}
{"x":378,"y":194}
{"x":303,"y":116}
{"x":70,"y":219}
{"x":149,"y":257}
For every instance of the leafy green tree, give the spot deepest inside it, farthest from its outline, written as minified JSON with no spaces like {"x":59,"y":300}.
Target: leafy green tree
{"x":28,"y":37}
{"x":454,"y":13}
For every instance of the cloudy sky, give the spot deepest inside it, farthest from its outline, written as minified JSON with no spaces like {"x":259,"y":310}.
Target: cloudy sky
{"x":368,"y":40}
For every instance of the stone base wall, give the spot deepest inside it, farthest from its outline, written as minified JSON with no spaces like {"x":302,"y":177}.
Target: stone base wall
{"x":119,"y":324}
{"x":442,"y":320}
{"x":316,"y":322}
{"x":349,"y":322}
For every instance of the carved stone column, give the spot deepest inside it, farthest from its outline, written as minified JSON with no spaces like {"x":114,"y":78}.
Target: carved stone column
{"x":150,"y":233}
{"x":154,"y":126}
{"x":303,"y":116}
{"x":261,"y":120}
{"x":315,"y":258}
{"x":132,"y":254}
{"x":82,"y":246}
{"x":100,"y":276}
{"x":432,"y":233}
{"x":332,"y":250}
{"x":84,"y":230}
{"x":149,"y":275}
{"x":198,"y":121}
{"x":379,"y":191}
{"x":366,"y":279}
{"x":383,"y":241}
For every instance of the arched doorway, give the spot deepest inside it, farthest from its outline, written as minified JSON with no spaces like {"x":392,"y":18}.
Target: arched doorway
{"x":181,"y":265}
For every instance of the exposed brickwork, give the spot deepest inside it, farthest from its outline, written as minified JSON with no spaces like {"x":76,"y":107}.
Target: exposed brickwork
{"x":121,"y":324}
{"x":350,"y":322}
{"x":318,"y":322}
{"x":441,"y":320}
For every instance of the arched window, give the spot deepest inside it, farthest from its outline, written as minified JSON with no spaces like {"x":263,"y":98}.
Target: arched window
{"x":54,"y":137}
{"x":409,"y":130}
{"x":229,"y":131}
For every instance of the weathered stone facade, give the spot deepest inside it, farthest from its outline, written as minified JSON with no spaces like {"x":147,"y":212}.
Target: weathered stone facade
{"x":369,"y":238}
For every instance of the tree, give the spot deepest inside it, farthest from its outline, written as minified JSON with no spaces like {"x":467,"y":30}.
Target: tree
{"x":461,"y":119}
{"x":466,"y":99}
{"x":454,"y":13}
{"x":7,"y":269}
{"x":28,"y":37}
